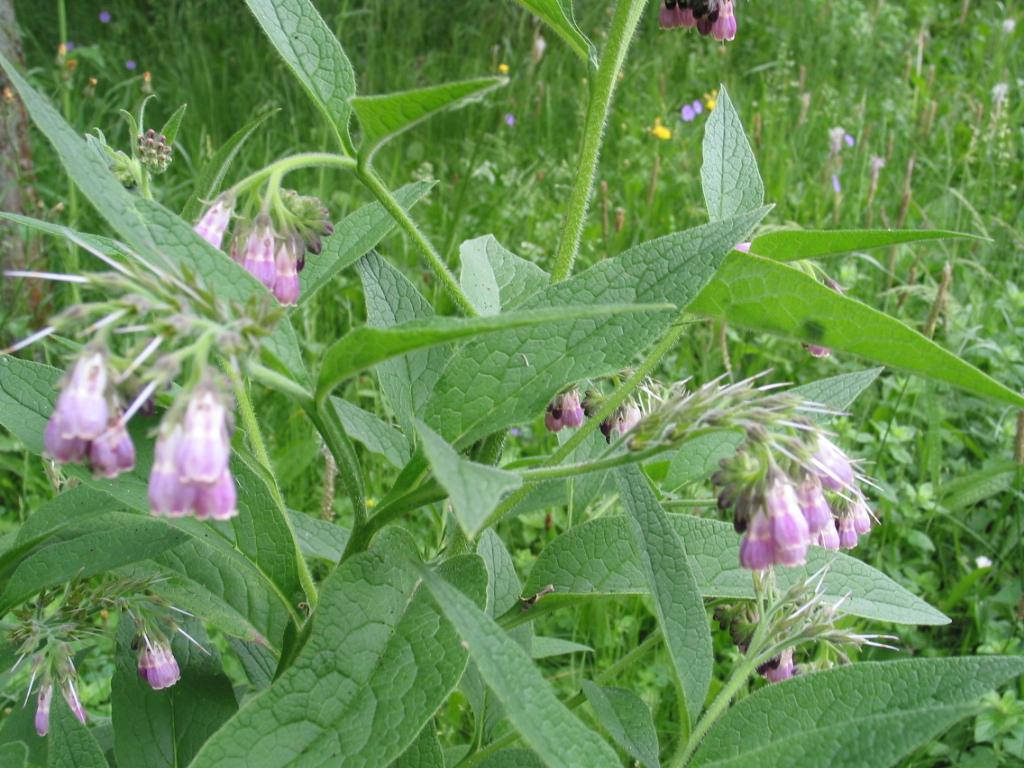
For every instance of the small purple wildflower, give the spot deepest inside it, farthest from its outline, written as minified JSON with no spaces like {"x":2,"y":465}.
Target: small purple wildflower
{"x":687,"y":113}
{"x":848,"y":138}
{"x":510,"y":120}
{"x":131,"y":65}
{"x":836,"y":186}
{"x":105,"y":17}
{"x":698,"y":108}
{"x":69,"y":46}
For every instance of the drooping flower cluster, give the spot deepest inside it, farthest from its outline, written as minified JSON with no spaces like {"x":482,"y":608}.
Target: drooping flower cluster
{"x":709,"y":17}
{"x":788,"y":485}
{"x":190,"y":472}
{"x":85,"y":424}
{"x":272,"y":245}
{"x":566,"y":410}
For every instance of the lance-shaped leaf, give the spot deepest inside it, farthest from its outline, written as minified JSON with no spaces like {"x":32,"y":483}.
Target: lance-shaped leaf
{"x":599,"y":558}
{"x":474,"y":489}
{"x":355,"y":236}
{"x":314,"y":55}
{"x":729,"y":175}
{"x":794,"y":244}
{"x":376,"y":435}
{"x":552,"y":731}
{"x":165,"y":729}
{"x":870,"y":713}
{"x":385,"y":116}
{"x":71,"y":745}
{"x":211,"y":176}
{"x":496,"y":279}
{"x":765,"y":295}
{"x":627,"y":720}
{"x":558,"y":15}
{"x":170,"y":129}
{"x":379,"y":661}
{"x":511,"y":377}
{"x":366,"y":346}
{"x":671,"y":583}
{"x":838,"y":392}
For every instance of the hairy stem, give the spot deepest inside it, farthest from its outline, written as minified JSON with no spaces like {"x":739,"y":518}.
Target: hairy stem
{"x":293,"y":163}
{"x":620,"y":34}
{"x":380,"y":190}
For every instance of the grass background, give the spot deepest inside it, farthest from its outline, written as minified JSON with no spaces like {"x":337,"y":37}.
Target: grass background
{"x":916,"y":81}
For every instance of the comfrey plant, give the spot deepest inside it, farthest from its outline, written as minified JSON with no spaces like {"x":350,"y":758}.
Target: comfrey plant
{"x":398,"y":631}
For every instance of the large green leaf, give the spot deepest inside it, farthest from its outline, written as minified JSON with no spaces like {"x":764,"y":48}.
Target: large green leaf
{"x":558,"y":15}
{"x":367,"y":346}
{"x":552,"y":731}
{"x":871,"y":713}
{"x":425,"y":752}
{"x":729,"y":175}
{"x":600,"y":558}
{"x":165,"y":729}
{"x":474,"y":489}
{"x":391,"y":299}
{"x":496,"y":279}
{"x":314,"y":55}
{"x":71,"y":745}
{"x":13,"y":755}
{"x":510,"y":377}
{"x":765,"y":295}
{"x":677,"y":597}
{"x":213,"y":172}
{"x":794,"y":244}
{"x":355,"y":236}
{"x":378,"y":662}
{"x":627,"y":720}
{"x":385,"y":116}
{"x":376,"y":435}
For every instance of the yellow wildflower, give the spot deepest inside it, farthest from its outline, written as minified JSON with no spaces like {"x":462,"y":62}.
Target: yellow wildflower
{"x":503,"y":68}
{"x":659,"y":131}
{"x":711,"y":99}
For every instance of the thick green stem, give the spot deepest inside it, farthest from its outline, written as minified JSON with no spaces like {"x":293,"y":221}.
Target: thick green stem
{"x":598,"y":465}
{"x":259,"y":449}
{"x":620,"y":34}
{"x":380,"y":190}
{"x":293,"y":163}
{"x":593,"y":422}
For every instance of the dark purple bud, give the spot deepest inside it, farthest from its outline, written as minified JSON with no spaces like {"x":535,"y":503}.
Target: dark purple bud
{"x":553,"y":419}
{"x":314,"y":245}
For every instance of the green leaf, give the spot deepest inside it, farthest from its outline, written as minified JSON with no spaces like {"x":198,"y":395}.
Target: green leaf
{"x":551,"y":730}
{"x":212,"y":174}
{"x":967,"y":491}
{"x":378,"y":662}
{"x":355,"y":236}
{"x":425,"y":752}
{"x":391,"y":299}
{"x":474,"y":489}
{"x":378,"y":436}
{"x":677,"y":597}
{"x":512,"y":758}
{"x":765,"y":295}
{"x":510,"y":377}
{"x":367,"y":346}
{"x":257,"y":661}
{"x":109,"y":541}
{"x":729,"y":175}
{"x":314,"y":56}
{"x":549,"y":647}
{"x":600,"y":557}
{"x":838,"y":392}
{"x":13,"y":755}
{"x":698,"y":457}
{"x":170,"y":129}
{"x":71,"y":745}
{"x":165,"y":729}
{"x":558,"y":15}
{"x":869,"y":713}
{"x":385,"y":116}
{"x":319,"y":538}
{"x":627,"y":719}
{"x":494,"y":278}
{"x":795,"y":244}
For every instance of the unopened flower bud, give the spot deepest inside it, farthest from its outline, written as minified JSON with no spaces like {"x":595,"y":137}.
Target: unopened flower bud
{"x":861,"y":516}
{"x":286,"y":274}
{"x":564,"y":411}
{"x":113,"y":452}
{"x":157,"y":665}
{"x":43,"y":709}
{"x":154,"y":151}
{"x":214,"y":222}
